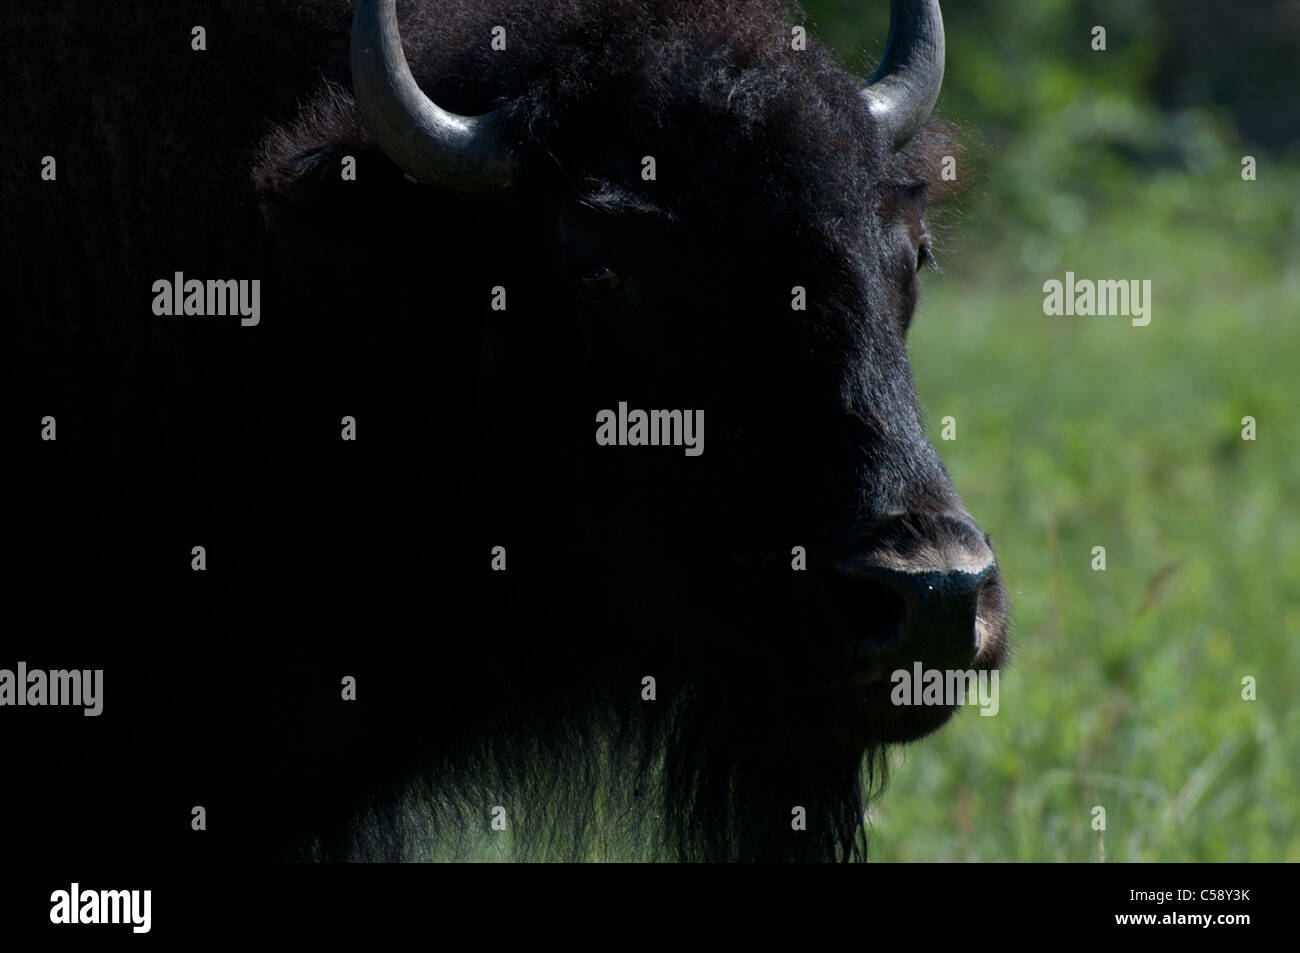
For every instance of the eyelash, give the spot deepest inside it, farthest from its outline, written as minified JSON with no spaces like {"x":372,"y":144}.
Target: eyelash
{"x":924,"y":256}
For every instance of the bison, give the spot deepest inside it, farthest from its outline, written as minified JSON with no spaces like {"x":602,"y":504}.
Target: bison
{"x":636,"y":514}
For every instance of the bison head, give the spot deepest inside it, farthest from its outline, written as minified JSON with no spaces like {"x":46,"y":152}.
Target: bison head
{"x":561,"y":208}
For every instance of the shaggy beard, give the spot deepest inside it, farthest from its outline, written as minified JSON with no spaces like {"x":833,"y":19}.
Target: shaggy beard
{"x":707,"y":779}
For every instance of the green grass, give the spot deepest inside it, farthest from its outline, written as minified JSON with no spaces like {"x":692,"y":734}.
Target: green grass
{"x":1125,"y":687}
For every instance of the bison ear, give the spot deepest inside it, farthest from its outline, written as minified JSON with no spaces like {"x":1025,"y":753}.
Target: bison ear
{"x":329,"y":190}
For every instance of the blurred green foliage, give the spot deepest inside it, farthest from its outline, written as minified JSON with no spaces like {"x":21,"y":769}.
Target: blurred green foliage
{"x":1125,"y":687}
{"x":1183,"y":85}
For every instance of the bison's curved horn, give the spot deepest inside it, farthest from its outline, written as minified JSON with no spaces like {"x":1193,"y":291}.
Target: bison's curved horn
{"x":902,"y":92}
{"x":436,"y":147}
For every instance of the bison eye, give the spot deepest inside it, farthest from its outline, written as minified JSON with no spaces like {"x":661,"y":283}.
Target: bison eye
{"x":599,"y":283}
{"x":925,"y":257}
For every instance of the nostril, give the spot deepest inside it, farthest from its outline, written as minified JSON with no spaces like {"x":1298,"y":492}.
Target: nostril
{"x":873,"y":614}
{"x":942,"y":605}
